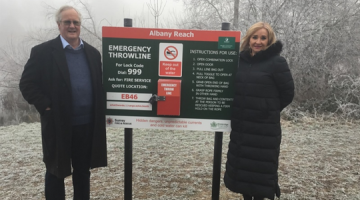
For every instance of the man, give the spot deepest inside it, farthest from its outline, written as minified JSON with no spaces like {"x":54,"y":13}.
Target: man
{"x":63,"y":80}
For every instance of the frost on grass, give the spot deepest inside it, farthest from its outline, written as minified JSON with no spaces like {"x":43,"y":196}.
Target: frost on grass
{"x":317,"y":161}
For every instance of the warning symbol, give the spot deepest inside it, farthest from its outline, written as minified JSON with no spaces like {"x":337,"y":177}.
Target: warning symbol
{"x":170,"y":59}
{"x":171,"y":52}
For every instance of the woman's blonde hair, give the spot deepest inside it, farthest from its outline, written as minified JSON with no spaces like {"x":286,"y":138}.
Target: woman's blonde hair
{"x":245,"y":42}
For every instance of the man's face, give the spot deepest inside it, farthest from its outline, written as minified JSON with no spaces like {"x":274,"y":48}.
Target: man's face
{"x":69,"y":26}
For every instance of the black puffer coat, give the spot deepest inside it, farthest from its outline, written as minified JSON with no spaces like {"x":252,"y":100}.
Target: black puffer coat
{"x":264,"y":86}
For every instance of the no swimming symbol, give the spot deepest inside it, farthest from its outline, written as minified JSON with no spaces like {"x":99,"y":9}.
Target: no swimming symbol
{"x":171,"y":52}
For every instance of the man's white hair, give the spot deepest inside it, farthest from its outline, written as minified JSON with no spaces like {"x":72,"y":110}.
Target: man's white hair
{"x":63,"y":8}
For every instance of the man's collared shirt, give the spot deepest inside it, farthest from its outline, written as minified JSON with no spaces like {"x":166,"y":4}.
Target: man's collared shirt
{"x":67,"y":45}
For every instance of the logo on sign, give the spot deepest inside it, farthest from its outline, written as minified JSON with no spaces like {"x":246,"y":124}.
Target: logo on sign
{"x":216,"y":126}
{"x":226,"y":43}
{"x":109,"y":121}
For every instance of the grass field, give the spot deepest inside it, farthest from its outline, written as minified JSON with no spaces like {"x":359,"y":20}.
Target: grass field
{"x":318,"y":160}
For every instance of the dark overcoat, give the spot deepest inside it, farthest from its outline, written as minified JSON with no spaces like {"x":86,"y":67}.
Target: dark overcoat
{"x":45,"y":82}
{"x":264,"y":86}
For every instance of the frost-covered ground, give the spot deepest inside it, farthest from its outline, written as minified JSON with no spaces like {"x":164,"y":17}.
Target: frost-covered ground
{"x":317,"y":161}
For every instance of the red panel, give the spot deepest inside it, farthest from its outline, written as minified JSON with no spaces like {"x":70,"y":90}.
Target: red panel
{"x":171,"y":89}
{"x":170,"y":68}
{"x":176,"y":34}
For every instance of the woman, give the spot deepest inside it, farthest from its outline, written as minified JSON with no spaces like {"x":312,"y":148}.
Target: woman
{"x":264,"y":87}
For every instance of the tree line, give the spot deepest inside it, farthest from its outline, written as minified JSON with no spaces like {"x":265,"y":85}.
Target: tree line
{"x":320,"y":44}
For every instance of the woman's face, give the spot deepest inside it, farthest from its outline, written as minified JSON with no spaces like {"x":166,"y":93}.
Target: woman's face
{"x":259,"y":41}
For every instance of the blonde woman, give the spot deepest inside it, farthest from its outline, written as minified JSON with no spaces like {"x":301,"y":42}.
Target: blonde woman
{"x":264,"y":87}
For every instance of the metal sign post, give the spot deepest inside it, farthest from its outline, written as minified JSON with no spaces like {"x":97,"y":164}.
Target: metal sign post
{"x":128,"y":142}
{"x":218,"y":150}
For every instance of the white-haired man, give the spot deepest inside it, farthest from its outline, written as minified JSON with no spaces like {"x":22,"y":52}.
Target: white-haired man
{"x":63,"y":80}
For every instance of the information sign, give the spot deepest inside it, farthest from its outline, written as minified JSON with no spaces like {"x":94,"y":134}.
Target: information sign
{"x":135,"y":60}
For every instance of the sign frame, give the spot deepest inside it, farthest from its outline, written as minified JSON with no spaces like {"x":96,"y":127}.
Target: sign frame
{"x":127,"y":50}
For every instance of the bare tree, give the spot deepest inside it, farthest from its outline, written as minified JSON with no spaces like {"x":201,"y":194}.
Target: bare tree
{"x":14,"y":108}
{"x":236,"y":14}
{"x":156,"y":8}
{"x":12,"y":57}
{"x":207,"y":14}
{"x":320,"y":40}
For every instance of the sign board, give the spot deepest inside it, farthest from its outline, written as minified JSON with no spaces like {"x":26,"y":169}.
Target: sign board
{"x":203,"y":62}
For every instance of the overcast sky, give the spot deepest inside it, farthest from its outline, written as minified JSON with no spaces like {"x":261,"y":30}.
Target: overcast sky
{"x":19,"y":16}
